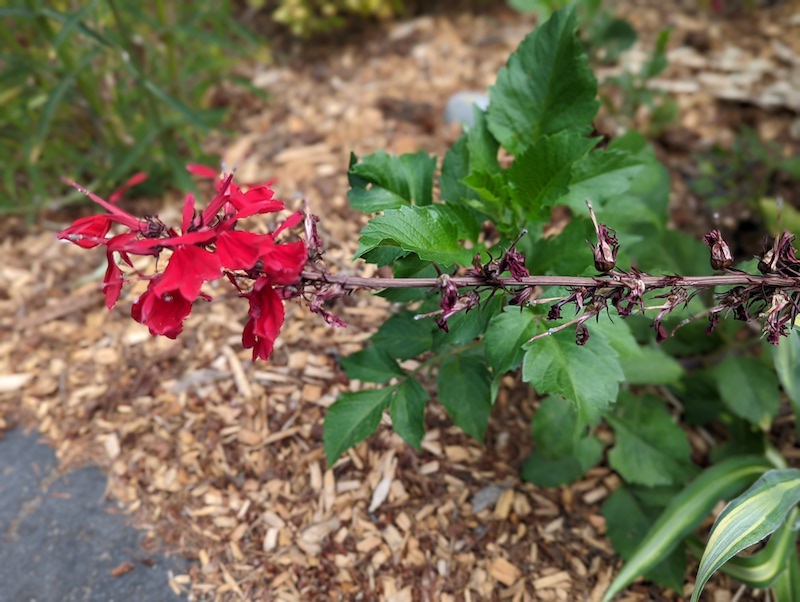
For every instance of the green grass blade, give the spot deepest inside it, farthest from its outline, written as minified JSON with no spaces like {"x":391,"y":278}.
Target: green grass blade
{"x":748,"y":519}
{"x":685,"y":512}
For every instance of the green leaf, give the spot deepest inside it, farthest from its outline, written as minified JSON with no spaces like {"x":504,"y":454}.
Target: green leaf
{"x":627,"y":522}
{"x":387,"y":182}
{"x":408,"y":412}
{"x":481,"y":144}
{"x":506,"y":334}
{"x":748,"y":519}
{"x":555,"y":427}
{"x":464,"y":390}
{"x":599,"y":176}
{"x":404,"y":337}
{"x":421,"y":230}
{"x":541,"y":175}
{"x":372,"y":365}
{"x":587,"y":375}
{"x":650,"y":366}
{"x":352,"y":418}
{"x":748,"y":388}
{"x":554,"y":472}
{"x":562,"y":455}
{"x":546,"y":87}
{"x":786,"y":357}
{"x":684,"y":513}
{"x":650,"y":448}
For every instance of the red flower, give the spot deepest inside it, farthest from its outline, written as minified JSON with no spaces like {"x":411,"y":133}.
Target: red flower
{"x":266,"y":318}
{"x":186,"y":271}
{"x":162,"y":314}
{"x":206,"y":247}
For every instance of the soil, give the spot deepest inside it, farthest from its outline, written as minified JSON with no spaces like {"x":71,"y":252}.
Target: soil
{"x":221,"y":459}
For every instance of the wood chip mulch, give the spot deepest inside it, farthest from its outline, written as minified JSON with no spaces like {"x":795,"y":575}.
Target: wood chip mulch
{"x":222,"y":460}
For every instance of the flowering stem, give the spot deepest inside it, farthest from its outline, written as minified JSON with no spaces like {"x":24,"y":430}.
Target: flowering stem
{"x":612,"y":280}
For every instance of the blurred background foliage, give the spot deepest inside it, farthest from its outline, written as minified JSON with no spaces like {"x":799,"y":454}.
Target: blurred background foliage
{"x":100,"y":89}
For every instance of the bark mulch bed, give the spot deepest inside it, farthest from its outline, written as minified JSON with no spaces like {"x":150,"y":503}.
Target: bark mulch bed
{"x":222,"y":460}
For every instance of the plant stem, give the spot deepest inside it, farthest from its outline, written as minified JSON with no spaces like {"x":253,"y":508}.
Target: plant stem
{"x":613,"y":280}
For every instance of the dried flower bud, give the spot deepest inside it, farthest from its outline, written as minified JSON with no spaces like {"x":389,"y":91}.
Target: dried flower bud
{"x":713,"y":320}
{"x":721,"y":257}
{"x":522,"y":296}
{"x":581,"y":334}
{"x":661,"y":333}
{"x":605,"y":251}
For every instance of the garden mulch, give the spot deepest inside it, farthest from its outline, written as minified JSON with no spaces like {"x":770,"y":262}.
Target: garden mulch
{"x":221,"y":460}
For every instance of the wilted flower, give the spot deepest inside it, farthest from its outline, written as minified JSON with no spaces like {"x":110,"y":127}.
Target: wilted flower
{"x":605,"y":251}
{"x":721,"y":257}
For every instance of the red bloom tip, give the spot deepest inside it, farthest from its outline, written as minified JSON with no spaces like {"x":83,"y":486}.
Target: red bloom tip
{"x":133,"y":181}
{"x":87,"y":232}
{"x":203,"y":171}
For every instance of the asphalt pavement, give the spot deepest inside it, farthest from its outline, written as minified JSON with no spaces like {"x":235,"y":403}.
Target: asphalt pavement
{"x":61,"y":541}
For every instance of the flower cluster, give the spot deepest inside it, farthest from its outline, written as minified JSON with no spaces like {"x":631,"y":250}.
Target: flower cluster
{"x":207,"y":246}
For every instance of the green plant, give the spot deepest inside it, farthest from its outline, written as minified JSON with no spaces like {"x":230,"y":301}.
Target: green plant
{"x":540,"y":111}
{"x":108,"y":87}
{"x":494,"y":318}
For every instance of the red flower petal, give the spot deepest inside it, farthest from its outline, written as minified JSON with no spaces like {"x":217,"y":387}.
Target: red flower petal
{"x":133,"y":181}
{"x":87,"y":232}
{"x":256,"y":200}
{"x":112,"y":283}
{"x":239,"y":250}
{"x":162,"y":314}
{"x":266,"y":318}
{"x":283,"y":263}
{"x":188,"y":213}
{"x":204,"y":171}
{"x":186,"y":271}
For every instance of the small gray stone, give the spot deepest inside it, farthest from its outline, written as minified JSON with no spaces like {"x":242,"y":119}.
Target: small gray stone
{"x":459,"y":107}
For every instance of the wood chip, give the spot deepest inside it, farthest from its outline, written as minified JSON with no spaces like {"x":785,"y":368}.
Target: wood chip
{"x":505,"y":572}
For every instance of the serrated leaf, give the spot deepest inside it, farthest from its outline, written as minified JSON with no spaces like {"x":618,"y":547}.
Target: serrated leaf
{"x":464,"y":390}
{"x":408,"y":412}
{"x":506,"y":334}
{"x":382,"y":181}
{"x":650,"y":448}
{"x":421,"y":230}
{"x":547,"y":86}
{"x":562,"y":455}
{"x":748,"y":388}
{"x":748,"y":519}
{"x":627,"y":522}
{"x":404,"y":337}
{"x":541,"y":175}
{"x":372,"y":365}
{"x":599,"y":176}
{"x":587,"y":375}
{"x":352,"y":418}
